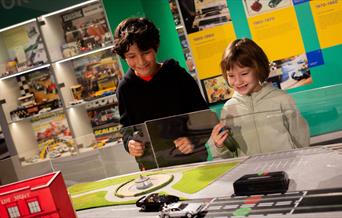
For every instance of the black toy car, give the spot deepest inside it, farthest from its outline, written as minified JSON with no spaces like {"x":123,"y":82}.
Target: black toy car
{"x":274,"y":3}
{"x":155,"y":201}
{"x":301,"y":74}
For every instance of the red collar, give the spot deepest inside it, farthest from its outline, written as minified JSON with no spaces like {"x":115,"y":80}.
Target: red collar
{"x":146,"y":78}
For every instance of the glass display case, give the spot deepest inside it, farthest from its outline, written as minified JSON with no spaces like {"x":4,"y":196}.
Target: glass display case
{"x":89,"y":85}
{"x":76,"y":30}
{"x":89,"y":77}
{"x":22,"y":49}
{"x":58,"y":77}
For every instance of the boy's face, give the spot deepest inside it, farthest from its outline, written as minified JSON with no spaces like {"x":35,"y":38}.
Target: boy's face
{"x":243,"y":80}
{"x":142,"y":62}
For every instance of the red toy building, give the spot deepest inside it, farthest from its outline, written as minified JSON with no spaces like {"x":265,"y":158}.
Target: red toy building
{"x":45,"y":196}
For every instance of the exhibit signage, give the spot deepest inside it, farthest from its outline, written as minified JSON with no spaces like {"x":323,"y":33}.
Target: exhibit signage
{"x":327,"y":16}
{"x":274,"y":29}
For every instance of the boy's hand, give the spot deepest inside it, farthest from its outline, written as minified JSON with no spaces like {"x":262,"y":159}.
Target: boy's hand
{"x":184,"y":145}
{"x":219,"y":134}
{"x":136,"y":148}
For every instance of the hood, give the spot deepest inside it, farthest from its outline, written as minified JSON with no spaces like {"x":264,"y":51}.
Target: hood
{"x":255,"y":97}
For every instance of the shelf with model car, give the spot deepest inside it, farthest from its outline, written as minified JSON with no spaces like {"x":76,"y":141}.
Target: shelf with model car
{"x":95,"y":104}
{"x":89,"y":77}
{"x":33,"y":111}
{"x":40,"y":113}
{"x":75,"y":31}
{"x":103,"y":114}
{"x":89,"y":85}
{"x":22,"y":50}
{"x":52,"y":139}
{"x":29,"y":95}
{"x":95,"y":126}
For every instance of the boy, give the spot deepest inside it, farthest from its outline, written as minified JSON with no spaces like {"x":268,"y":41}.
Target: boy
{"x":152,"y":89}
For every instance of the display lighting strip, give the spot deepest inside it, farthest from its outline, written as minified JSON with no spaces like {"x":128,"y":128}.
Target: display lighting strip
{"x":68,"y":8}
{"x":17,"y":25}
{"x":84,"y":54}
{"x":26,"y":71}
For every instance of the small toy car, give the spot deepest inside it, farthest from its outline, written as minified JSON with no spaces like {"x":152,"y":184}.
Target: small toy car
{"x":274,"y":3}
{"x":155,"y":201}
{"x":181,"y":210}
{"x":301,"y":74}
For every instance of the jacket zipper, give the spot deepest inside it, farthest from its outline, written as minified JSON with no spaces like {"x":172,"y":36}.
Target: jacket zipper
{"x":255,"y":125}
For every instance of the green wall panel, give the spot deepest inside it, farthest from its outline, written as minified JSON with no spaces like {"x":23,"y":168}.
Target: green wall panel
{"x":239,"y":19}
{"x":307,"y":26}
{"x":118,"y":10}
{"x":159,"y":12}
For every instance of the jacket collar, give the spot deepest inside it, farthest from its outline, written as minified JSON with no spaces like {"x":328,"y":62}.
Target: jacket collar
{"x":255,"y":97}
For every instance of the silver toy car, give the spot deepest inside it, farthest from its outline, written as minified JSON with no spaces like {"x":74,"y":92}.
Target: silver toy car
{"x":180,"y":209}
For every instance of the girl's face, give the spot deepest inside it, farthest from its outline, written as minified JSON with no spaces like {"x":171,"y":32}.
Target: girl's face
{"x":142,"y":62}
{"x":243,"y":80}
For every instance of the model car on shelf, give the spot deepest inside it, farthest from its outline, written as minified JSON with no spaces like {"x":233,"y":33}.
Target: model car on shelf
{"x":155,"y":201}
{"x":105,"y":116}
{"x":301,"y":74}
{"x":182,"y":210}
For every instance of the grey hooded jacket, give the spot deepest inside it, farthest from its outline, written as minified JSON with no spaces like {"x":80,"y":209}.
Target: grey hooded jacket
{"x":265,"y":121}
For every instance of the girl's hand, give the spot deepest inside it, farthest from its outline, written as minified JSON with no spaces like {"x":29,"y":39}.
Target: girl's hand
{"x":219,"y":134}
{"x":184,"y":145}
{"x":136,"y":148}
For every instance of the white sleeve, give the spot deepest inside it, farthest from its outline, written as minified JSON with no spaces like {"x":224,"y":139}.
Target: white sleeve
{"x":297,"y":125}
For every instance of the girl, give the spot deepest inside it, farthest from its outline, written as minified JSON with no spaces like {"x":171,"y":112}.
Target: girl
{"x":261,"y":118}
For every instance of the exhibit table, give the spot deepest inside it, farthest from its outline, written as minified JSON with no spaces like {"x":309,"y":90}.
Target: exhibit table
{"x":309,"y":170}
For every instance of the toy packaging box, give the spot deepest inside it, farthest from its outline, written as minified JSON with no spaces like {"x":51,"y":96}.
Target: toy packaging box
{"x":53,"y":135}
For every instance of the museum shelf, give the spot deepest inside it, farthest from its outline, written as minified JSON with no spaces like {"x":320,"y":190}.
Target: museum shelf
{"x":58,"y":77}
{"x":89,"y":85}
{"x":75,"y":30}
{"x":25,"y":71}
{"x":29,"y":94}
{"x":96,"y":103}
{"x":22,"y":49}
{"x":88,"y":77}
{"x":37,"y":115}
{"x":84,"y":54}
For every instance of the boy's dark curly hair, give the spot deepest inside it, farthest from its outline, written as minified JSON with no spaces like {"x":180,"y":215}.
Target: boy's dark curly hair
{"x":135,"y":30}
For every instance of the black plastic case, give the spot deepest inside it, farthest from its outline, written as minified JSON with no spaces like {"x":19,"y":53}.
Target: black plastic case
{"x":264,"y":183}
